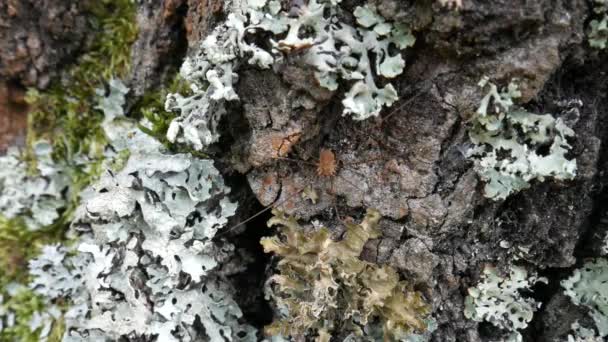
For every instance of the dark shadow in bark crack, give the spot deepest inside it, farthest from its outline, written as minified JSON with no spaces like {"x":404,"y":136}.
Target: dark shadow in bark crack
{"x":249,"y":283}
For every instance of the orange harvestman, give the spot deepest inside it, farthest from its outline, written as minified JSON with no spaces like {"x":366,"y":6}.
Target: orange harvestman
{"x":326,"y":167}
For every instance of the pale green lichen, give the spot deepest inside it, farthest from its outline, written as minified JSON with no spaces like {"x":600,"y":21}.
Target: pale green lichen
{"x":598,"y":28}
{"x":499,"y":300}
{"x":510,"y":141}
{"x":37,"y":199}
{"x":588,"y":286}
{"x":323,"y":287}
{"x":145,"y":232}
{"x":334,"y":49}
{"x":598,"y":35}
{"x":582,"y":334}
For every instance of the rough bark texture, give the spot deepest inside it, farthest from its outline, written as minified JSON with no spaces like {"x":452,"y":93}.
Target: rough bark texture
{"x":160,"y":44}
{"x":13,"y":115}
{"x":36,"y":37}
{"x":438,"y":229}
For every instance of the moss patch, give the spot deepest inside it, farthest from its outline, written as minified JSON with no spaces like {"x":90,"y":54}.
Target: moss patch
{"x":65,"y":113}
{"x":23,"y":305}
{"x":151,"y":107}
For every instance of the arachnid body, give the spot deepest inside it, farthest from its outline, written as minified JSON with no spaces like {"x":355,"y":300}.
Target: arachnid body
{"x":326,"y":167}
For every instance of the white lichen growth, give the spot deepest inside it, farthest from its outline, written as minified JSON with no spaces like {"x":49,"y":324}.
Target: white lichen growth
{"x":51,"y":277}
{"x":338,"y":50}
{"x":499,"y":300}
{"x":582,"y":334}
{"x":514,"y":147}
{"x":39,"y":198}
{"x":588,"y":286}
{"x":334,"y":49}
{"x":145,"y":264}
{"x":598,"y":28}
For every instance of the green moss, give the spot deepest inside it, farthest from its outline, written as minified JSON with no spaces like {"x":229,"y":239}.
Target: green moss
{"x":57,"y":332}
{"x":65,"y":113}
{"x":151,"y":107}
{"x":120,"y":160}
{"x":23,"y":305}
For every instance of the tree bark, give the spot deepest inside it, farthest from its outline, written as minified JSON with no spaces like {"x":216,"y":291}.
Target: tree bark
{"x":438,"y":229}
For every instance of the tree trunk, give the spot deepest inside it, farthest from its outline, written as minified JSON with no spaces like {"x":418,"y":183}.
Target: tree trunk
{"x":410,"y":163}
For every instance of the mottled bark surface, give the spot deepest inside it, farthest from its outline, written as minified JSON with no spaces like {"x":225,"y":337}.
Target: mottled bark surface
{"x":13,"y":116}
{"x":438,"y":229}
{"x":39,"y":37}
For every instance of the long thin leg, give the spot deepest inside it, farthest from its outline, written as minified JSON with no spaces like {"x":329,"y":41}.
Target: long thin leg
{"x":250,"y":218}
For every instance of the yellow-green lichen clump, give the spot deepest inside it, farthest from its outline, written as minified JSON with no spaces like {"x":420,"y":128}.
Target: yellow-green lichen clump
{"x":324,"y":288}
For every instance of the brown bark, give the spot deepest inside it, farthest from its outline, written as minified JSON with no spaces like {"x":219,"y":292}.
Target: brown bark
{"x":13,"y":118}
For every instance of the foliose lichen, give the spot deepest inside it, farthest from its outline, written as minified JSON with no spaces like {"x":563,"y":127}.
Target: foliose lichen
{"x":37,"y":199}
{"x":144,"y":265}
{"x":598,"y":27}
{"x":588,"y":286}
{"x":510,"y":143}
{"x":335,"y":49}
{"x":582,"y":334}
{"x":499,"y":300}
{"x":40,"y":186}
{"x":323,"y":288}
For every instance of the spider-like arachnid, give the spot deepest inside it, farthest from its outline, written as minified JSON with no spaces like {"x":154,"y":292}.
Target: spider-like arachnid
{"x":289,"y":196}
{"x":307,"y":189}
{"x":359,"y":165}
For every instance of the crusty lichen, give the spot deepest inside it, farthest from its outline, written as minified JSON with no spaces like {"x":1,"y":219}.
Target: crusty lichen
{"x":323,"y":288}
